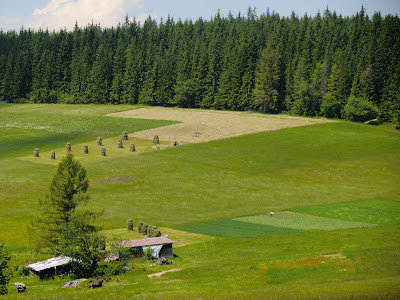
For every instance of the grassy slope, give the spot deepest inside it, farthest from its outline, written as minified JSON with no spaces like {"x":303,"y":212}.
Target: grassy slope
{"x":286,"y":169}
{"x":251,"y":175}
{"x":379,"y":211}
{"x":288,"y":266}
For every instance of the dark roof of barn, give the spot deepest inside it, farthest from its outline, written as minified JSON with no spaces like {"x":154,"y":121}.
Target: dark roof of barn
{"x":162,"y":240}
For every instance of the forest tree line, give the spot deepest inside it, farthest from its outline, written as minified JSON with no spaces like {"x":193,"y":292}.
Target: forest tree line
{"x":301,"y":65}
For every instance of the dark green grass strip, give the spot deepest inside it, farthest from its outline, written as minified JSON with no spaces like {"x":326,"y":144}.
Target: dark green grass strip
{"x":377,"y":211}
{"x":236,"y":229}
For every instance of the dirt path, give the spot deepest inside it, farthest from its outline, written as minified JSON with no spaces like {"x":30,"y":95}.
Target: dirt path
{"x":163,"y":272}
{"x":200,"y":126}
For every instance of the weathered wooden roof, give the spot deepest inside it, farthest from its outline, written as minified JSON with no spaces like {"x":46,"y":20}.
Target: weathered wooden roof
{"x":162,"y":240}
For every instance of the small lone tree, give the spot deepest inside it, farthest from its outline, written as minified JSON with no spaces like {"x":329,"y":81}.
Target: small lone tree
{"x":156,"y":139}
{"x":66,"y":191}
{"x":63,"y":228}
{"x":36,"y":152}
{"x":85,"y":149}
{"x":5,"y":274}
{"x":99,"y":141}
{"x":103,"y":151}
{"x":120,"y":144}
{"x":68,"y":147}
{"x":139,"y":226}
{"x":129,"y":225}
{"x":53,"y":155}
{"x":125,"y":136}
{"x":132,"y":147}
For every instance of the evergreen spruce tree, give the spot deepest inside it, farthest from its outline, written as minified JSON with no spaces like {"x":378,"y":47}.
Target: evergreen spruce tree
{"x":67,"y":190}
{"x":63,"y":226}
{"x":267,"y":79}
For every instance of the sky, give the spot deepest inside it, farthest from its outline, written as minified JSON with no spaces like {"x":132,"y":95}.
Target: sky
{"x":62,"y":14}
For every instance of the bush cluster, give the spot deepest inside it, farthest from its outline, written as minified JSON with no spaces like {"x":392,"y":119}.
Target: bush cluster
{"x":132,"y":147}
{"x":53,"y":155}
{"x":36,"y":152}
{"x":103,"y":151}
{"x":68,"y":147}
{"x":99,"y":141}
{"x":85,"y":149}
{"x":360,"y":110}
{"x":156,"y":139}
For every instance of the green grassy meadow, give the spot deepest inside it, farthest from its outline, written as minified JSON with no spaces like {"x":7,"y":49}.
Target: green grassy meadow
{"x":339,"y":180}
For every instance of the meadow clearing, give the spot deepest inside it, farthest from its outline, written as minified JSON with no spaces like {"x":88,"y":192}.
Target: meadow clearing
{"x":333,"y":186}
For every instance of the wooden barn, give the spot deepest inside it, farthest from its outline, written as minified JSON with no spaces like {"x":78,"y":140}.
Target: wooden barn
{"x":160,"y":246}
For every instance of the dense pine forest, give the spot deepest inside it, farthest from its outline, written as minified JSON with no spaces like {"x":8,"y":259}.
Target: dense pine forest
{"x":327,"y":65}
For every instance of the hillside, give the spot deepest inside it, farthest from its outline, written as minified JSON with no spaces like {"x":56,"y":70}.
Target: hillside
{"x":332,"y":185}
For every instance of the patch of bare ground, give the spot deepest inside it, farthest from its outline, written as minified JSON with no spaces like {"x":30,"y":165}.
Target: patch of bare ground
{"x":200,"y":126}
{"x":163,"y":272}
{"x":332,"y":255}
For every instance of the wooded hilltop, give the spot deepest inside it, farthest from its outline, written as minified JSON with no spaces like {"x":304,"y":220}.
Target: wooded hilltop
{"x":327,"y":65}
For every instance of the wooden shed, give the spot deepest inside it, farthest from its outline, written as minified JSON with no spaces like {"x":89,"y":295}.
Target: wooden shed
{"x":51,"y":267}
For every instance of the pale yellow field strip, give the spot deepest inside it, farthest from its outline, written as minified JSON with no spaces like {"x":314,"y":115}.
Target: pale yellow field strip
{"x":200,"y":126}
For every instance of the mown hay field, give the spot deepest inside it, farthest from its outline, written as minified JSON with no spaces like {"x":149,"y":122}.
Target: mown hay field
{"x":199,"y":126}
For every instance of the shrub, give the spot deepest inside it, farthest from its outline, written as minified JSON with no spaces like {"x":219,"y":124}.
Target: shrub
{"x":132,"y":148}
{"x":103,"y":151}
{"x":125,"y":136}
{"x":175,"y":143}
{"x":120,"y":144}
{"x":148,"y":254}
{"x":53,"y":155}
{"x":156,"y":139}
{"x":99,"y":141}
{"x":139,"y":226}
{"x":129,"y":225}
{"x":306,"y":103}
{"x":331,"y":107}
{"x":23,"y":272}
{"x":36,"y":152}
{"x":359,"y":110}
{"x":85,"y":149}
{"x":68,"y":147}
